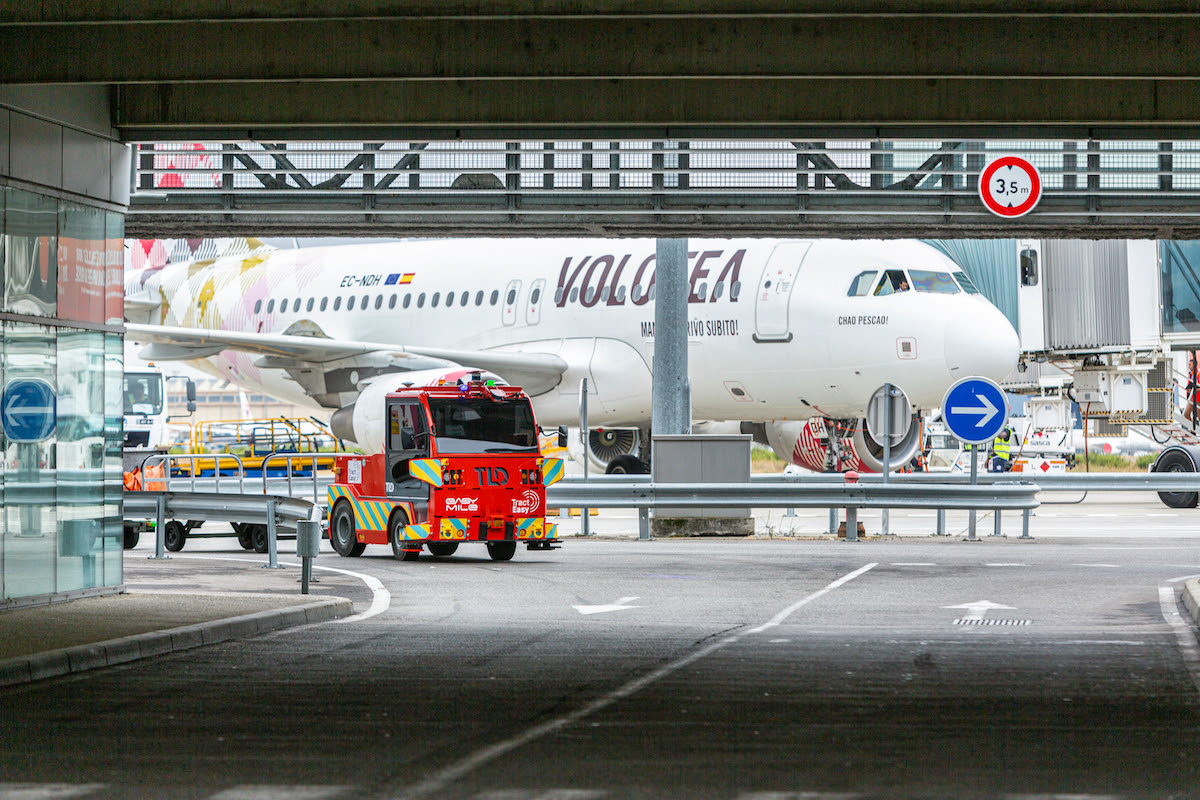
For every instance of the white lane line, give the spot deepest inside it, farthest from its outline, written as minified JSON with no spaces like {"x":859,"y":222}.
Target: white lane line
{"x":913,"y":564}
{"x":281,"y":792}
{"x":1185,"y":636}
{"x":437,"y":783}
{"x":1100,"y":566}
{"x":47,"y":791}
{"x":1006,"y":564}
{"x":794,"y":607}
{"x":381,"y":598}
{"x":1161,"y":514}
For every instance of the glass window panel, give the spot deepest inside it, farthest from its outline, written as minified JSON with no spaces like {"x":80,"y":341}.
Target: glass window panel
{"x":82,"y":255}
{"x":79,"y":457}
{"x":31,"y":519}
{"x":114,"y":273}
{"x":114,"y":529}
{"x":30,"y":254}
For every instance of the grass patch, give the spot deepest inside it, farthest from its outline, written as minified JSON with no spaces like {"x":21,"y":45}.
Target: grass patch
{"x":763,"y":459}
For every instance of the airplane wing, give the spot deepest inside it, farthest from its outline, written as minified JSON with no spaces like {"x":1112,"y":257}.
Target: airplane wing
{"x":309,"y":348}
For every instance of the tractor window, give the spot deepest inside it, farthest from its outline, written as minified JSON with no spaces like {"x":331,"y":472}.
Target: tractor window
{"x":483,"y":425}
{"x":406,"y":424}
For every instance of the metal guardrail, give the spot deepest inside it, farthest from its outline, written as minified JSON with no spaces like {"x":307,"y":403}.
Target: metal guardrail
{"x":273,"y":511}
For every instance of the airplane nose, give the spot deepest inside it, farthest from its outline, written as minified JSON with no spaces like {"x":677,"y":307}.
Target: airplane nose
{"x":981,"y":342}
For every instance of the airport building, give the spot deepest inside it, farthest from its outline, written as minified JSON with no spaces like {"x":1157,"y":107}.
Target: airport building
{"x":64,"y":186}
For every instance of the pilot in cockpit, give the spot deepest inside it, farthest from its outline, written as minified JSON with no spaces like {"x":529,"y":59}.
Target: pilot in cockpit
{"x":893,"y":281}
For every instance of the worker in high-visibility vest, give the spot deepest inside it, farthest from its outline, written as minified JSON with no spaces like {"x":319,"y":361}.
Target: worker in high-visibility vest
{"x":1002,"y":451}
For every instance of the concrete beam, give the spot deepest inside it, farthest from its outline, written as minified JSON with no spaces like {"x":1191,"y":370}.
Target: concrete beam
{"x":662,"y":108}
{"x":538,"y":48}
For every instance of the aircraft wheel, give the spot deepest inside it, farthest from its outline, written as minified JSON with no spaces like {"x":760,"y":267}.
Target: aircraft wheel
{"x":1176,"y":461}
{"x":442,"y":549}
{"x":626,"y":465}
{"x":131,"y":537}
{"x":402,"y":549}
{"x":501,"y":551}
{"x":175,"y":535}
{"x":341,"y":532}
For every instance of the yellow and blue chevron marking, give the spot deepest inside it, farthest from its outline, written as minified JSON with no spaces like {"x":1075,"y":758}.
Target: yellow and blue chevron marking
{"x":422,"y":531}
{"x":428,"y":470}
{"x":530,"y":527}
{"x":369,"y":515}
{"x":553,"y":471}
{"x":454,"y":528}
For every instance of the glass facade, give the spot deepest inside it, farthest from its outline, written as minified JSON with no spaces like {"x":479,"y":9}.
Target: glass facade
{"x":60,"y":484}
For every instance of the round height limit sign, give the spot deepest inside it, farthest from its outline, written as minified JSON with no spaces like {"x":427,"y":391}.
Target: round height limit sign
{"x":1010,"y":186}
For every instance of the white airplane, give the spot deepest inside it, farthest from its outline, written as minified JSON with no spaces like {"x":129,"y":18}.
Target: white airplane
{"x":790,"y":338}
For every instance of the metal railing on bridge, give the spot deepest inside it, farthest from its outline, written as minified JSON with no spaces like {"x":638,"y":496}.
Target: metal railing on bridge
{"x":1110,"y":188}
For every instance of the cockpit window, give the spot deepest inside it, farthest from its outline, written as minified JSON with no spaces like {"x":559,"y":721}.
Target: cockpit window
{"x":965,"y":283}
{"x":929,"y":281}
{"x":894,"y":280}
{"x":862,"y":283}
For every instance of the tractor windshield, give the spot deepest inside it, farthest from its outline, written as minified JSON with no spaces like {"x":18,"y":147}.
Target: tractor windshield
{"x":483,"y":425}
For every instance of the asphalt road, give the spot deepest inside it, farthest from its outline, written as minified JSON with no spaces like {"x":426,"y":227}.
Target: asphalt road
{"x":782,"y":669}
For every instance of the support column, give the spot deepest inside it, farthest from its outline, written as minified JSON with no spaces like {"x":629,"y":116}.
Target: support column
{"x":671,"y":413}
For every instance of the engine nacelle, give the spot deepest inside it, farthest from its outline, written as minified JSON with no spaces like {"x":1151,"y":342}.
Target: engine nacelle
{"x":604,"y":445}
{"x":362,"y":421}
{"x":805,"y":443}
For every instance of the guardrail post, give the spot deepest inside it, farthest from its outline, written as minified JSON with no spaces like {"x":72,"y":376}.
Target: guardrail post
{"x":941,"y":522}
{"x":974,"y":480}
{"x":851,"y":524}
{"x":644,"y":524}
{"x":1025,"y":515}
{"x":160,"y":531}
{"x":996,"y":530}
{"x":833,"y":521}
{"x":272,"y":541}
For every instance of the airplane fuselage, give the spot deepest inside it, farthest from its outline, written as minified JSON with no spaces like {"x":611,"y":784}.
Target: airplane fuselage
{"x":774,"y":330}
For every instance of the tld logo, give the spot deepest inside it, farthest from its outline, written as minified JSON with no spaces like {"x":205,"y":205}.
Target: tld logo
{"x":462,"y":503}
{"x":491,"y":476}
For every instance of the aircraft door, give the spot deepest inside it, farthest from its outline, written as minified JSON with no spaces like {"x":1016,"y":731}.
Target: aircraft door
{"x":511,"y":293}
{"x":775,"y":286}
{"x":533,"y":309}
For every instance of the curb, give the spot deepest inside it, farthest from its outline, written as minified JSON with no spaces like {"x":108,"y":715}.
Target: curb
{"x":51,"y":664}
{"x":1191,"y":598}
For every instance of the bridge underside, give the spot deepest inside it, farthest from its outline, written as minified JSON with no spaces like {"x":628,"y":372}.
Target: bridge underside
{"x":664,"y":188}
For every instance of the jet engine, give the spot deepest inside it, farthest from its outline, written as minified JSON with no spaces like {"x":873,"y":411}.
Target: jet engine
{"x":807,"y":443}
{"x":362,"y":422}
{"x":608,"y":448}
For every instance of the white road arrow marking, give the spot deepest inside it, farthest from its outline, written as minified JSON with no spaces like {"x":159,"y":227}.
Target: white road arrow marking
{"x":986,"y":412}
{"x":977,"y":609}
{"x":620,"y":605}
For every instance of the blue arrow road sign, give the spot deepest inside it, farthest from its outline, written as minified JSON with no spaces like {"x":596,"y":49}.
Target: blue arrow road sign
{"x":975,"y":410}
{"x":28,"y":409}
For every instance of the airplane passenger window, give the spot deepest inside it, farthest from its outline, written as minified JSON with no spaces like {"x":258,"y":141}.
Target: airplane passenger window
{"x":558,"y":295}
{"x":421,"y":300}
{"x":378,"y":302}
{"x":604,"y":294}
{"x":350,"y":303}
{"x":575,"y":294}
{"x":324,"y":302}
{"x":620,"y":294}
{"x":434,"y":300}
{"x":718,"y":290}
{"x":270,"y":306}
{"x":930,"y":281}
{"x":296,"y":305}
{"x":391,"y":302}
{"x":309,"y":306}
{"x":589,"y":297}
{"x":337,"y":302}
{"x":495,"y":296}
{"x":636,"y":293}
{"x":512,"y":297}
{"x":365,"y":300}
{"x":735,"y":290}
{"x":702,"y":291}
{"x":535,"y":296}
{"x":407,"y":300}
{"x":650,"y":292}
{"x":862,"y":283}
{"x":965,"y":283}
{"x":257,"y":306}
{"x":479,"y":297}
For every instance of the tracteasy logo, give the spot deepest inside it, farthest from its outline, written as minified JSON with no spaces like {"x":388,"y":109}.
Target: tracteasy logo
{"x":528,"y":503}
{"x":462,"y":503}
